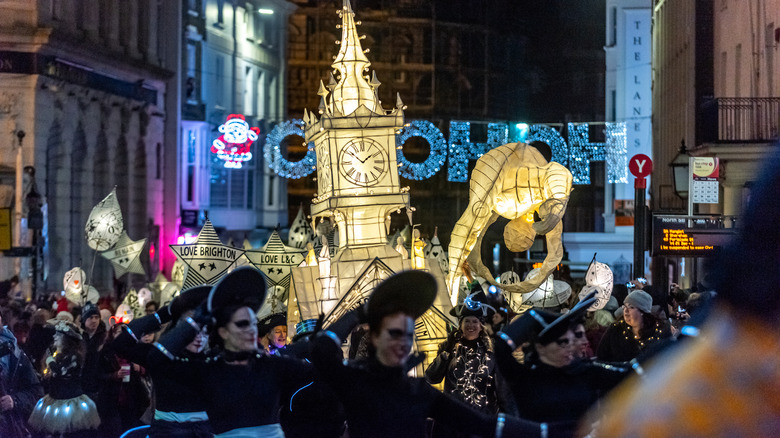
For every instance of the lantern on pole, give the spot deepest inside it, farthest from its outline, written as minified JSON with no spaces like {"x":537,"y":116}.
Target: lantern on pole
{"x":104,"y":224}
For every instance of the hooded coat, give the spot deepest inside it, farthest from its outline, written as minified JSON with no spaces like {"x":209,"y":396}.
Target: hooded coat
{"x":17,"y":379}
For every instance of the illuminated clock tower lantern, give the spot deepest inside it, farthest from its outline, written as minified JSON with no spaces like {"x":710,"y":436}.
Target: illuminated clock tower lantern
{"x":354,"y":138}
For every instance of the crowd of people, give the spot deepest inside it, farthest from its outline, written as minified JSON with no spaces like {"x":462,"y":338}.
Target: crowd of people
{"x":703,"y":364}
{"x":192,"y":369}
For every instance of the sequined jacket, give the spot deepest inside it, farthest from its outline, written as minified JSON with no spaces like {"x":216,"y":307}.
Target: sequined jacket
{"x":469,"y":371}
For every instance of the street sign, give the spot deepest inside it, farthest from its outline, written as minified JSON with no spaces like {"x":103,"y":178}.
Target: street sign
{"x":640,"y":165}
{"x":704,"y":186}
{"x":674,"y":236}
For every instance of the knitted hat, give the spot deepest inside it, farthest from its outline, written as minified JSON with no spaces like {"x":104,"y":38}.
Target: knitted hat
{"x":641,"y":300}
{"x":88,"y":310}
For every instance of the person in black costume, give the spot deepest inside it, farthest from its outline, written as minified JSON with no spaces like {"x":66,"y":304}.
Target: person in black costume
{"x":552,"y":385}
{"x":94,"y":334}
{"x":180,"y":407}
{"x":242,"y":385}
{"x":380,"y":400}
{"x":65,"y":411}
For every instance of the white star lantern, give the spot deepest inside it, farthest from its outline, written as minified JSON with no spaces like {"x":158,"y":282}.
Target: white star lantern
{"x":104,"y":224}
{"x":275,"y":261}
{"x":206,"y":260}
{"x":124,"y":255}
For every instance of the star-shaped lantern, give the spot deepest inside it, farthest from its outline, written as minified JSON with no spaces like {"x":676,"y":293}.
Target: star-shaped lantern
{"x":275,"y":260}
{"x":124,"y":255}
{"x":206,"y":260}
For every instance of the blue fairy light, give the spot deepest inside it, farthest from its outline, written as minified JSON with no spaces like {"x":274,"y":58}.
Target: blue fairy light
{"x":273,"y":154}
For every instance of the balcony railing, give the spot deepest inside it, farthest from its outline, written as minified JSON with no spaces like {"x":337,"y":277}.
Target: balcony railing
{"x":740,"y":119}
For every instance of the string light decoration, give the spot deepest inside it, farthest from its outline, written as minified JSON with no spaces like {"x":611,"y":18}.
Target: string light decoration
{"x":462,"y":149}
{"x":234,"y":145}
{"x":273,"y":153}
{"x":616,"y":152}
{"x":437,"y":157}
{"x":553,"y":138}
{"x":457,"y":154}
{"x":581,"y":152}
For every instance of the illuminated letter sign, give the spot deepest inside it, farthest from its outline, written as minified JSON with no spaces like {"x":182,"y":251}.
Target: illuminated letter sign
{"x":234,"y":143}
{"x":457,"y":153}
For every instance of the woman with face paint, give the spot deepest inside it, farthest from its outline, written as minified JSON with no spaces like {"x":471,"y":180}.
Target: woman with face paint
{"x":379,"y":399}
{"x":180,"y":406}
{"x":553,"y":385}
{"x":242,"y":384}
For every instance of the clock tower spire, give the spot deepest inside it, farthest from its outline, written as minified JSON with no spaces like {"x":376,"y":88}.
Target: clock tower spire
{"x":354,"y":138}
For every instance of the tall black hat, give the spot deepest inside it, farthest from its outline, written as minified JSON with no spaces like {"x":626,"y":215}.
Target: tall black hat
{"x":410,"y":292}
{"x":244,"y":286}
{"x":189,"y":299}
{"x":265,"y":325}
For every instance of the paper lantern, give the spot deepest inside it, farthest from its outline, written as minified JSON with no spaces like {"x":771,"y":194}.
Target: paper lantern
{"x":169,"y":292}
{"x":599,"y":278}
{"x":104,"y":224}
{"x":76,"y":289}
{"x":326,"y":279}
{"x":436,"y":251}
{"x":124,"y":255}
{"x":134,"y":303}
{"x":513,"y":181}
{"x":550,"y":293}
{"x":206,"y":260}
{"x":124,"y":314}
{"x":301,"y":232}
{"x":418,"y":254}
{"x":275,"y":259}
{"x":177,"y":273}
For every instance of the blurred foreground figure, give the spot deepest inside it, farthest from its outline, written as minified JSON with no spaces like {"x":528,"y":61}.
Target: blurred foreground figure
{"x":726,"y":381}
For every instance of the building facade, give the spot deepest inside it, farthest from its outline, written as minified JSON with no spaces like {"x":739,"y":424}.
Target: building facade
{"x":233,"y":64}
{"x":715,"y":91}
{"x":83,"y":103}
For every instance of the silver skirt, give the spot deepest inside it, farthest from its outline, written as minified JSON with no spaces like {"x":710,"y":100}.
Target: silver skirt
{"x":62,"y":416}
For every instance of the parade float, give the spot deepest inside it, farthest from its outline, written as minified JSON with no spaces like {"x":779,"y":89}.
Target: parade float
{"x":335,"y":258}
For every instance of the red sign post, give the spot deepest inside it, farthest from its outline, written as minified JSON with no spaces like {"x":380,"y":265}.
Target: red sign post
{"x":641,"y":166}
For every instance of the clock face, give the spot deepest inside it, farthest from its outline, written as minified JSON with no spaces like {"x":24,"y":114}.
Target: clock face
{"x":323,"y":172}
{"x":362,"y":162}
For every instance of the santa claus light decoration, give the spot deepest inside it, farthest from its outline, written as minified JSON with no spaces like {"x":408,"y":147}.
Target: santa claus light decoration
{"x":235,"y":142}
